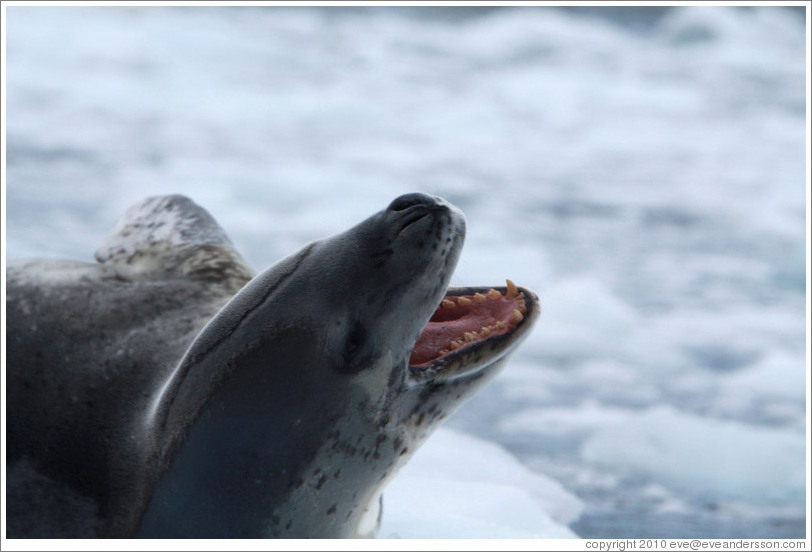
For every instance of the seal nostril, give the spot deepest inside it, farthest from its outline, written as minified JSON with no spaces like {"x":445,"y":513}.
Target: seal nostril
{"x":408,"y":200}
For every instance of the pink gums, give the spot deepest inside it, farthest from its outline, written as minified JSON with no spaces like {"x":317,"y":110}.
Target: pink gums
{"x":485,"y":315}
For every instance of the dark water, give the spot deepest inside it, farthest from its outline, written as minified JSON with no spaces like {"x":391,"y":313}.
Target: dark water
{"x":617,"y":523}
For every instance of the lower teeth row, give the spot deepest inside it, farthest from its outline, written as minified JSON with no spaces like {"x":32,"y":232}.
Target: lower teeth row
{"x":484,"y":333}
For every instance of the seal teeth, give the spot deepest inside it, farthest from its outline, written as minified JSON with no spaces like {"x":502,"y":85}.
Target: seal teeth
{"x":511,"y":290}
{"x":511,"y":294}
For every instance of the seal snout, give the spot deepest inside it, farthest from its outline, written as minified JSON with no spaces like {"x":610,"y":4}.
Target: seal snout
{"x":410,"y":208}
{"x":414,"y":199}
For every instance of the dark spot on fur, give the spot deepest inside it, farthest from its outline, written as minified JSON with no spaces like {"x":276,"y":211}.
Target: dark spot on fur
{"x":332,"y":509}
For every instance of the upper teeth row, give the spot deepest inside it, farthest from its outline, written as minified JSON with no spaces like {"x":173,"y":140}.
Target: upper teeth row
{"x":492,"y":294}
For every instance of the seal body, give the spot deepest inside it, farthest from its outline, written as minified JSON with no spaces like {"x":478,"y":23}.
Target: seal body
{"x":168,"y":392}
{"x":87,"y":346}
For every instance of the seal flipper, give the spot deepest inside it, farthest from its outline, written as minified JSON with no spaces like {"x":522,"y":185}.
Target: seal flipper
{"x":172,"y":235}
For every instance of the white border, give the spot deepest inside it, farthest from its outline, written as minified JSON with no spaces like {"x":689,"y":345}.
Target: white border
{"x":377,"y":544}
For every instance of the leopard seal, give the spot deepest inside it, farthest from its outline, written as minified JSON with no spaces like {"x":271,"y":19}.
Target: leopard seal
{"x":167,"y":391}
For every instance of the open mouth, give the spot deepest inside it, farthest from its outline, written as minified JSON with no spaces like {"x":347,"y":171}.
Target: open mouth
{"x":467,"y":319}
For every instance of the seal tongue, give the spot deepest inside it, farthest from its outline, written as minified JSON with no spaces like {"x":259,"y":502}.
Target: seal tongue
{"x":462,"y":321}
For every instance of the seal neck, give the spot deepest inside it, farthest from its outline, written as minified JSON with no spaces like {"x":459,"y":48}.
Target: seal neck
{"x":255,"y":462}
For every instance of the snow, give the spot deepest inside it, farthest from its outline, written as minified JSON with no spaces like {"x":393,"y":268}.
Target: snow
{"x":514,"y":502}
{"x":647,"y":182}
{"x":715,"y":459}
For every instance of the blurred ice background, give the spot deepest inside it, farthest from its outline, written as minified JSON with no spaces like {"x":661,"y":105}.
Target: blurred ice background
{"x":642,"y":169}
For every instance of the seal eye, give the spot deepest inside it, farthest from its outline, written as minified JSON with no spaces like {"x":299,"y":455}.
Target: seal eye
{"x":355,"y":343}
{"x":355,"y":338}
